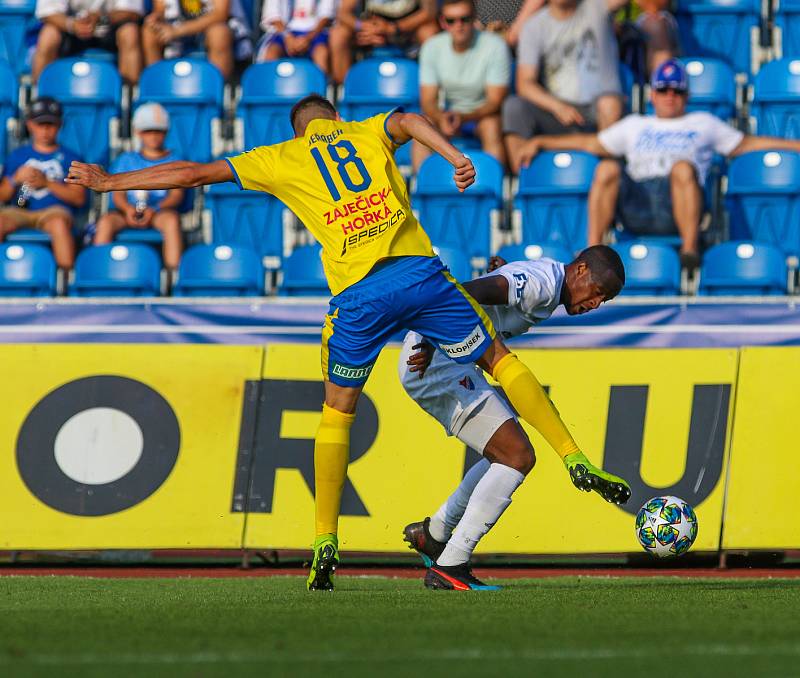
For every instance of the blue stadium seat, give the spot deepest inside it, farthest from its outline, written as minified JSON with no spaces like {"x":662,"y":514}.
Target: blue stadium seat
{"x":724,"y":29}
{"x":248,"y":218}
{"x":192,"y":92}
{"x":375,"y":86}
{"x":712,"y":87}
{"x":551,"y":199}
{"x":27,"y":271}
{"x":786,"y":34}
{"x":650,"y":268}
{"x":16,"y":19}
{"x":8,"y":106}
{"x":90,"y":93}
{"x":269,"y":90}
{"x":763,"y":199}
{"x":303,"y":275}
{"x":775,"y":106}
{"x":219,"y":271}
{"x":534,"y":253}
{"x":117,"y":271}
{"x":743,"y":268}
{"x":460,"y":220}
{"x":456,"y":260}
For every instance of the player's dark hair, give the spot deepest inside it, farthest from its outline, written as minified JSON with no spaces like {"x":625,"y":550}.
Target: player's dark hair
{"x":307,"y":109}
{"x":605,"y":266}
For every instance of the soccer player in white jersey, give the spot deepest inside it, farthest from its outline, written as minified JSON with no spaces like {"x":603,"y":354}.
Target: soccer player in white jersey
{"x":516,"y":296}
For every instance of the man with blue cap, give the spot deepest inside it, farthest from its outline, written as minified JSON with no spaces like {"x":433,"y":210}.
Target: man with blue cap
{"x":667,"y":155}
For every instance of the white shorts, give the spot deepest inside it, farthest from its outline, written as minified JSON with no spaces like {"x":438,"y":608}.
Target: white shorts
{"x":457,"y":396}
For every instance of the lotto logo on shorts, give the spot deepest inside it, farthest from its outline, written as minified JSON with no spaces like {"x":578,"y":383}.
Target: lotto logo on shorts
{"x":353,"y":373}
{"x":467,"y":346}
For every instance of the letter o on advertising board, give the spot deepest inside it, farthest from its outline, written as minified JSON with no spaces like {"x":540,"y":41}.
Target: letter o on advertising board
{"x":141,"y":416}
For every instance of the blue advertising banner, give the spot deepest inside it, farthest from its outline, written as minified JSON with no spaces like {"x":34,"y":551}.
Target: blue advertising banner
{"x":623,"y":323}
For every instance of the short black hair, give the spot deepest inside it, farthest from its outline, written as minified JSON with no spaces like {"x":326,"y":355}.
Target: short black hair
{"x":307,"y":104}
{"x":605,"y":266}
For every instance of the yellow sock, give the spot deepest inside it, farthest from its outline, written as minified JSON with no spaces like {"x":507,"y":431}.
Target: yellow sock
{"x":331,"y":455}
{"x":530,"y":400}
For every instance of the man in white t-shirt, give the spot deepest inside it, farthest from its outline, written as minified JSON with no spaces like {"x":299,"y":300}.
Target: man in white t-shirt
{"x":667,"y":158}
{"x":71,"y":26}
{"x":517,"y":296}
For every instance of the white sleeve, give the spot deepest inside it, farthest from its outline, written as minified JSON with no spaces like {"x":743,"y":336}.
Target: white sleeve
{"x":616,"y":137}
{"x":273,"y":10}
{"x":326,"y":9}
{"x":45,"y":8}
{"x":531,"y":284}
{"x":724,"y":138}
{"x":136,"y":6}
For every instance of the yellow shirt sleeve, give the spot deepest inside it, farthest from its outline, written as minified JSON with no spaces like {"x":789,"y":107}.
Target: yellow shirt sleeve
{"x":377,"y":125}
{"x":255,"y":169}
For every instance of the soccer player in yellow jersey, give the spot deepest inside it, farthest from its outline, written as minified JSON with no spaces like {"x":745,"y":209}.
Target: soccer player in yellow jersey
{"x":340,"y":178}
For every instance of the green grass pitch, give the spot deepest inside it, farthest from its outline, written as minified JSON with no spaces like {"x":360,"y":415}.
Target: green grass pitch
{"x":570,"y":626}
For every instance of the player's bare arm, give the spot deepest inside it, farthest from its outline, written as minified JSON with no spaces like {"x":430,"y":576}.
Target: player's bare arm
{"x":179,"y":174}
{"x":406,"y":126}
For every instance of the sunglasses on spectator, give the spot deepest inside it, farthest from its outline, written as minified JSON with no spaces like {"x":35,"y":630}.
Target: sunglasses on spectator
{"x":674,"y":90}
{"x":451,"y":20}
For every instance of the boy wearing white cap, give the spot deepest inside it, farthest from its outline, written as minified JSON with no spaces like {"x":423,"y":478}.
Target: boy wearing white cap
{"x":146,"y":209}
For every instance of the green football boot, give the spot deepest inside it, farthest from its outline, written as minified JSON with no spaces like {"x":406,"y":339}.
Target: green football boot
{"x":587,"y":477}
{"x":326,"y":558}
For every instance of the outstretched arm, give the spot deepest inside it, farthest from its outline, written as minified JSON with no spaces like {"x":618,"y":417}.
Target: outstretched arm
{"x":179,"y":174}
{"x":406,"y":126}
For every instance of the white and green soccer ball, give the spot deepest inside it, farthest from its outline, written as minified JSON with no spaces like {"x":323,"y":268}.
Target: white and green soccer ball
{"x":666,"y":526}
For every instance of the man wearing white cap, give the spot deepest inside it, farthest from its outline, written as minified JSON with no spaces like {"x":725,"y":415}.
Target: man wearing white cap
{"x":146,"y":209}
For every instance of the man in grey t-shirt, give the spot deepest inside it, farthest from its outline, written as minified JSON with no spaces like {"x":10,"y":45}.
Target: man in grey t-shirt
{"x":567,"y":73}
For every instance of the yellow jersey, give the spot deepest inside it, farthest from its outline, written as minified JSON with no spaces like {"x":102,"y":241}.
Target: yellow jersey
{"x":342,"y":182}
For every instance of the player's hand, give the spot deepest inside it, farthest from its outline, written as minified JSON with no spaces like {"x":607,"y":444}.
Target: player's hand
{"x":465,"y":173}
{"x":419,"y":361}
{"x":568,"y":115}
{"x":530,"y":149}
{"x":496,"y":262}
{"x":90,"y":176}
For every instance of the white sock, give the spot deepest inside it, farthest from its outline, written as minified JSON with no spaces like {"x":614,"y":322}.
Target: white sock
{"x":444,"y":521}
{"x":491,"y":496}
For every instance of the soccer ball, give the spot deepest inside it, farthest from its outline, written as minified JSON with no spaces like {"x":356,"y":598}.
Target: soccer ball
{"x":666,"y":526}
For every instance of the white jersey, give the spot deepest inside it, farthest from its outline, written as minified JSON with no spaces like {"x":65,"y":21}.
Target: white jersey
{"x":451,"y":392}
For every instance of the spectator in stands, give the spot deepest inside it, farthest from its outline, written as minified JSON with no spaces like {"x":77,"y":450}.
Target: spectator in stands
{"x":647,"y":35}
{"x":33,"y":183}
{"x":472,"y":69}
{"x":402,"y":23}
{"x":296,"y":28}
{"x":71,"y":26}
{"x":567,"y":73}
{"x":178,"y":26}
{"x":667,"y":155}
{"x":528,"y":9}
{"x":146,"y":209}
